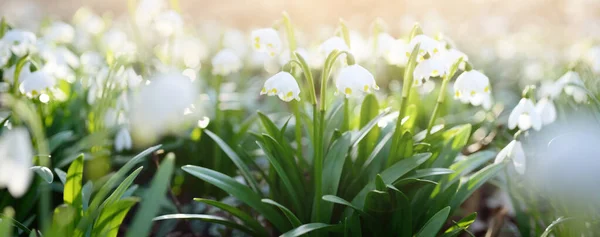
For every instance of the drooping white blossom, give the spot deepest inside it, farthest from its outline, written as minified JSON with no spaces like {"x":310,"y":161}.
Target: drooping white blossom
{"x":20,"y":42}
{"x":59,"y":32}
{"x":283,"y":85}
{"x":333,"y":43}
{"x":525,"y":116}
{"x":123,"y":140}
{"x":428,"y":45}
{"x":16,"y":154}
{"x":473,"y":87}
{"x":266,"y":40}
{"x":431,"y":67}
{"x":572,"y":85}
{"x":226,"y":62}
{"x":168,"y":23}
{"x":514,"y":153}
{"x":355,"y":80}
{"x":37,"y":82}
{"x":547,"y":111}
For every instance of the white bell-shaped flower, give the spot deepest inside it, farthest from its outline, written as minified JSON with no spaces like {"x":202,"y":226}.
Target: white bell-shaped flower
{"x":427,"y":45}
{"x":549,"y":89}
{"x":384,"y":45}
{"x":572,"y":84}
{"x":396,"y":55}
{"x":5,"y":53}
{"x":473,"y":87}
{"x":16,"y":154}
{"x":37,"y":82}
{"x":188,"y":51}
{"x":435,"y":66}
{"x":333,"y":43}
{"x":513,"y":152}
{"x":168,"y":23}
{"x":547,"y":111}
{"x":123,"y":140}
{"x":59,"y":32}
{"x":226,"y":62}
{"x":21,"y":42}
{"x":525,"y":116}
{"x":158,"y":108}
{"x":266,"y":40}
{"x":283,"y":85}
{"x":355,"y":80}
{"x":452,"y":56}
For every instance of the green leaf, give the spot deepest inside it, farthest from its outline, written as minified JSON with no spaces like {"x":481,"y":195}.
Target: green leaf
{"x":461,"y":225}
{"x":469,"y":184}
{"x":467,"y":165}
{"x":44,"y":172}
{"x":553,"y":225}
{"x":435,"y":223}
{"x":341,"y":201}
{"x":143,"y":219}
{"x":112,"y":216}
{"x":86,"y":194}
{"x":72,"y":192}
{"x":352,"y":226}
{"x":391,"y":174}
{"x":289,"y":214}
{"x":61,"y":175}
{"x":60,"y":138}
{"x":6,"y":225}
{"x":306,"y":228}
{"x":240,"y":191}
{"x":208,"y":218}
{"x":368,"y":110}
{"x":245,"y":218}
{"x":122,"y":188}
{"x":269,"y":126}
{"x":405,"y":148}
{"x":9,"y":219}
{"x":63,"y":220}
{"x":332,"y":167}
{"x":430,"y":172}
{"x":455,"y":140}
{"x":239,"y":163}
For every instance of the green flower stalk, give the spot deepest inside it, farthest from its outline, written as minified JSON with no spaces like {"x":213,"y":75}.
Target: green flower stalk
{"x":442,"y":96}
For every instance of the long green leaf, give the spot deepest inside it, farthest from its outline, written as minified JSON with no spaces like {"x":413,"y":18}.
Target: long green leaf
{"x":391,"y":174}
{"x":239,"y":163}
{"x":289,"y":214}
{"x":72,"y":192}
{"x":6,"y":228}
{"x":341,"y":201}
{"x":143,"y":219}
{"x":208,"y":218}
{"x":112,"y":216}
{"x":554,"y":224}
{"x":435,"y":223}
{"x":469,"y":184}
{"x":44,"y":172}
{"x":240,"y":191}
{"x":306,"y":228}
{"x":332,"y":166}
{"x":122,"y":188}
{"x":461,"y":225}
{"x":368,"y":110}
{"x":245,"y":218}
{"x":465,"y":166}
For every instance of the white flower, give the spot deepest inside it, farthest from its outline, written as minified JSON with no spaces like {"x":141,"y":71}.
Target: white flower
{"x":226,"y":62}
{"x":147,"y":10}
{"x":333,"y":43}
{"x":396,"y":54}
{"x":37,"y":82}
{"x":427,"y":87}
{"x":427,"y":45}
{"x":547,"y":111}
{"x":513,"y":152}
{"x":354,"y":79}
{"x":525,"y":116}
{"x":572,"y":84}
{"x":384,"y":44}
{"x":168,"y":23}
{"x":453,"y":55}
{"x":266,"y":40}
{"x":473,"y":87}
{"x":283,"y":85}
{"x":549,"y":89}
{"x":359,"y":47}
{"x":16,"y":154}
{"x":5,"y":53}
{"x":59,"y":32}
{"x":159,"y":106}
{"x":593,"y":58}
{"x":9,"y":73}
{"x":189,"y":51}
{"x":21,"y":42}
{"x":237,"y":40}
{"x":432,"y":67}
{"x":284,"y":57}
{"x":123,"y":140}
{"x":87,"y":21}
{"x":116,"y":41}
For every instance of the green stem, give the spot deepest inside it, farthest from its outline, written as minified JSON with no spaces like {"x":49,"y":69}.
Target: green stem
{"x":346,"y":125}
{"x":217,"y":122}
{"x":298,"y":129}
{"x":289,"y":30}
{"x":441,"y":97}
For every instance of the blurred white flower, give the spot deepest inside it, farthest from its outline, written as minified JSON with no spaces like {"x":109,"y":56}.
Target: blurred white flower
{"x":37,"y":82}
{"x":384,"y":44}
{"x":435,"y":66}
{"x":9,"y":73}
{"x":284,"y":57}
{"x":473,"y":87}
{"x":87,"y":21}
{"x":549,"y":89}
{"x":354,"y":79}
{"x":513,"y":152}
{"x":453,"y":55}
{"x":115,"y":41}
{"x":572,"y":84}
{"x":427,"y":87}
{"x":158,"y":109}
{"x":283,"y":85}
{"x":5,"y":53}
{"x":59,"y":32}
{"x":189,"y":51}
{"x":20,"y":42}
{"x":123,"y":140}
{"x":226,"y":62}
{"x":237,"y":40}
{"x":427,"y":45}
{"x":16,"y":154}
{"x":147,"y":10}
{"x":547,"y":111}
{"x":525,"y":116}
{"x":266,"y":40}
{"x":359,"y":47}
{"x":333,"y":43}
{"x":593,"y":58}
{"x":397,"y":53}
{"x":168,"y":23}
